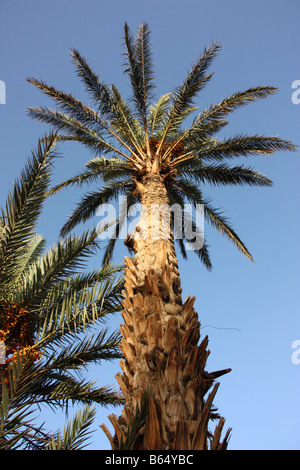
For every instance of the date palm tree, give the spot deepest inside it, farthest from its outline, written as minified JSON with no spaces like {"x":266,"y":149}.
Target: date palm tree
{"x":144,"y":151}
{"x":47,"y":300}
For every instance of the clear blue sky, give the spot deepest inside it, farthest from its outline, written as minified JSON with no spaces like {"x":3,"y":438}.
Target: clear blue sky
{"x":249,"y":310}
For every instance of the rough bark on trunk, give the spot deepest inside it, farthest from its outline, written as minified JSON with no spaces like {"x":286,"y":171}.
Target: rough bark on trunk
{"x":160,"y":342}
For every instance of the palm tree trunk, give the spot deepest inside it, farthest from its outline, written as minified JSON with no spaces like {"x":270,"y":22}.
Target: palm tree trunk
{"x":160,"y":336}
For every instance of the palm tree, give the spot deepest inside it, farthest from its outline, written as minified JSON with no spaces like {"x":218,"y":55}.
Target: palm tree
{"x":143,"y":151}
{"x":48,"y":308}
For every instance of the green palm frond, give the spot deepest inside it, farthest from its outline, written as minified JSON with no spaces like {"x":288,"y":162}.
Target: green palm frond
{"x":136,"y":423}
{"x":58,"y":387}
{"x":22,"y":210}
{"x":140,"y":69}
{"x":70,"y":311}
{"x":17,"y":413}
{"x":79,"y":391}
{"x":59,"y":262}
{"x":215,"y":217}
{"x":183,"y":97}
{"x":242,"y":146}
{"x":221,"y":223}
{"x":195,"y":240}
{"x":91,"y":202}
{"x":119,"y":224}
{"x":177,"y":197}
{"x":78,"y":180}
{"x":109,"y":101}
{"x":50,"y":380}
{"x":125,"y":123}
{"x":98,"y":91}
{"x":77,"y":120}
{"x":158,"y":112}
{"x":97,"y":169}
{"x":74,"y":130}
{"x":81,"y":280}
{"x":216,"y":113}
{"x":32,"y":252}
{"x":73,"y":107}
{"x":224,"y":175}
{"x":92,"y":349}
{"x":76,"y":433}
{"x":109,"y":169}
{"x":233,"y":102}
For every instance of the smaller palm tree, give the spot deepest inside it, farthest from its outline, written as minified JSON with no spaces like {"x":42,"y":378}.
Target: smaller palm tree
{"x":46,"y":302}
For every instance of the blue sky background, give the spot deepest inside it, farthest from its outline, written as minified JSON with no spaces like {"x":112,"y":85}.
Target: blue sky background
{"x":249,"y":310}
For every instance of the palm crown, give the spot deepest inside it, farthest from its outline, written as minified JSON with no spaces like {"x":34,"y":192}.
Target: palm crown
{"x":140,"y":136}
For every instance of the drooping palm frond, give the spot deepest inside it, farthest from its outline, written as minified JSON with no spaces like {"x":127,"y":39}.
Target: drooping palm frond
{"x":92,"y":201}
{"x":17,"y":416}
{"x":182,"y":219}
{"x":56,"y":387}
{"x":213,"y":216}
